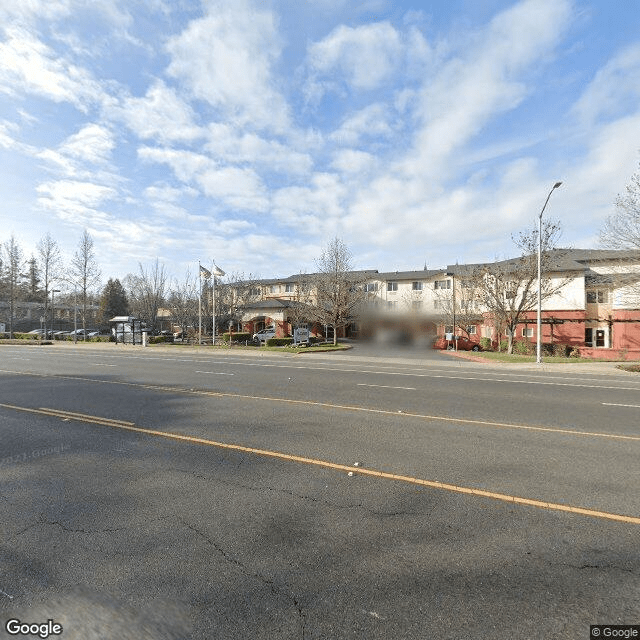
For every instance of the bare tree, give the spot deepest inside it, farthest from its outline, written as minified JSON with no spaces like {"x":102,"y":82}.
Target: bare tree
{"x":147,"y":292}
{"x":622,"y":229}
{"x":339,"y":291}
{"x":183,"y":302}
{"x":50,"y":268}
{"x":459,"y":307}
{"x":509,"y":289}
{"x":232,"y":293}
{"x":85,"y":273}
{"x":14,"y":262}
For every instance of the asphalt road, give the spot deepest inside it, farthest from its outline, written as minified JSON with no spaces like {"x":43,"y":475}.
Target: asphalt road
{"x":360,"y":495}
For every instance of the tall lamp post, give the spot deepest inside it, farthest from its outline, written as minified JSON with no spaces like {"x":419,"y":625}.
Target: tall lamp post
{"x":539,"y":314}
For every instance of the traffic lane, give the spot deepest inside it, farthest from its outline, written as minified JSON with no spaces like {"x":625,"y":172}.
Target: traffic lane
{"x":247,"y":547}
{"x":583,"y":471}
{"x":566,"y":402}
{"x":53,"y":360}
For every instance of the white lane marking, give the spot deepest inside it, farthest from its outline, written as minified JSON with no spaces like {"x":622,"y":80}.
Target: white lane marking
{"x":482,"y":377}
{"x":613,"y":404}
{"x":385,"y":386}
{"x":217,"y":373}
{"x":102,"y":364}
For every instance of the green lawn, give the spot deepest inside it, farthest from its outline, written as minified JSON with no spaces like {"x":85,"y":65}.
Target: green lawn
{"x":505,"y":357}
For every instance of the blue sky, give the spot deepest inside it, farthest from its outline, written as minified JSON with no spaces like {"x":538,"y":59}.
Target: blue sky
{"x":252,"y":132}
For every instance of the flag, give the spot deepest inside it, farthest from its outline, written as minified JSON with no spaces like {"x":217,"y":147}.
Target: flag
{"x":205,"y":273}
{"x":217,"y":271}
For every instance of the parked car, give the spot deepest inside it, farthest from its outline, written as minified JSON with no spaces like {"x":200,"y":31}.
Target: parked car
{"x":464,"y":344}
{"x":264,"y":335}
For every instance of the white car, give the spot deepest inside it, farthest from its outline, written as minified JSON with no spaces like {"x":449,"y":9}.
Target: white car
{"x":264,"y":335}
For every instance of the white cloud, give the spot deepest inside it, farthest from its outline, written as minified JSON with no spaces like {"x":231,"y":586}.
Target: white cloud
{"x":166,"y":193}
{"x":187,"y":165}
{"x":226,"y":58}
{"x":76,"y":202}
{"x":29,"y":66}
{"x":484,"y":81}
{"x":229,"y":145}
{"x":353,"y":162}
{"x":614,"y":90}
{"x":238,"y":188}
{"x":318,"y":207}
{"x":371,"y":122}
{"x":366,"y":56}
{"x":93,"y":143}
{"x":161,"y":114}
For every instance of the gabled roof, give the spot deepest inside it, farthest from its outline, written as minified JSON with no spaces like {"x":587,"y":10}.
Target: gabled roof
{"x":409,"y":275}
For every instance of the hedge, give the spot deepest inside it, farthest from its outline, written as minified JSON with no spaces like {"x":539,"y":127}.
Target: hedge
{"x":237,"y":337}
{"x":279,"y":342}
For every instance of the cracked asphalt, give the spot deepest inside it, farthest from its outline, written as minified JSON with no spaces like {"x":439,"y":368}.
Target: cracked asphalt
{"x":122,"y":534}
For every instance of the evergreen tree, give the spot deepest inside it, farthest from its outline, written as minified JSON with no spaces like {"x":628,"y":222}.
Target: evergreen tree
{"x":113,"y":301}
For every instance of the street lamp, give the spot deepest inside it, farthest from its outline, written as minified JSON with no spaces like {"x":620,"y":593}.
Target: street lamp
{"x":53,"y":309}
{"x":539,"y":315}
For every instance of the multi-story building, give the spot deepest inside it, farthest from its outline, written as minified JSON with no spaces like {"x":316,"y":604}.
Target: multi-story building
{"x":595,"y":304}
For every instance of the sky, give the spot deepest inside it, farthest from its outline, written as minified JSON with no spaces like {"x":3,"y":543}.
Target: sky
{"x":251,"y":133}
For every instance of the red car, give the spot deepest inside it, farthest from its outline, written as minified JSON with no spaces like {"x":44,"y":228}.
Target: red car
{"x":464,"y":344}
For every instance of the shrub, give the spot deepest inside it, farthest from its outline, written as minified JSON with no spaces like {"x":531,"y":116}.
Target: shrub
{"x":561,"y":350}
{"x":241,"y":336}
{"x":279,"y":342}
{"x":157,"y":339}
{"x":485,"y":343}
{"x":522,"y":347}
{"x":574,"y":353}
{"x":503,"y":345}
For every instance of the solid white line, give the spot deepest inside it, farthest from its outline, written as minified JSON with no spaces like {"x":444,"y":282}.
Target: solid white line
{"x":102,"y":364}
{"x":613,"y":404}
{"x":385,"y":386}
{"x":217,"y":373}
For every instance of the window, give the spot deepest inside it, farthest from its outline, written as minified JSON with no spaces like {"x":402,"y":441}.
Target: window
{"x":597,"y":297}
{"x":527,"y":332}
{"x":448,"y":329}
{"x":392,"y":285}
{"x":442,"y":284}
{"x":471,"y":329}
{"x":274,"y":289}
{"x":416,"y":286}
{"x":254,"y":291}
{"x":416,"y":304}
{"x":289,"y":287}
{"x":371,"y":287}
{"x":507,"y":332}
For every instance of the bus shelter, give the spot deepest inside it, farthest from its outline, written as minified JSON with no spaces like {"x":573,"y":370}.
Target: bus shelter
{"x":126,"y":329}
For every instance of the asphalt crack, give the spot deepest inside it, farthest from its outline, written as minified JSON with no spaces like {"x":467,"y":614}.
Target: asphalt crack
{"x":274,"y":588}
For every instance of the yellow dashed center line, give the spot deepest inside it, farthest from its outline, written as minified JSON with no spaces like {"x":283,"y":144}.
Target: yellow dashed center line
{"x":129,"y":426}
